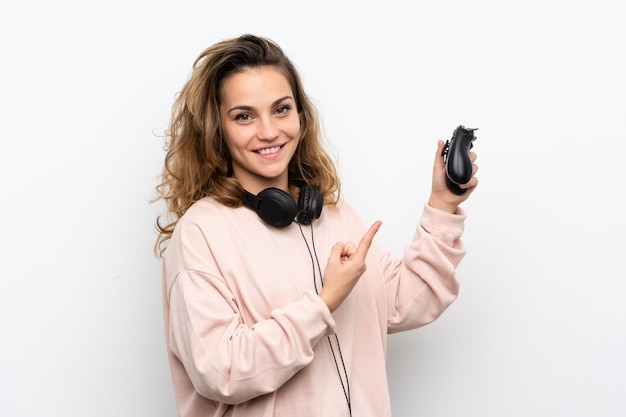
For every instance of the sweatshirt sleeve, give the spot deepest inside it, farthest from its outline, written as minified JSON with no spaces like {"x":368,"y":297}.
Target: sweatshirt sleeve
{"x":225,"y":359}
{"x":422,"y":284}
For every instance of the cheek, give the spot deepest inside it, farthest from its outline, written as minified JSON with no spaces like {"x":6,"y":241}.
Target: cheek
{"x":234,"y":137}
{"x":296,"y":127}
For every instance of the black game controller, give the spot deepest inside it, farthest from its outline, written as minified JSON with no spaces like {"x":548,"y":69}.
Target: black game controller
{"x":456,"y":157}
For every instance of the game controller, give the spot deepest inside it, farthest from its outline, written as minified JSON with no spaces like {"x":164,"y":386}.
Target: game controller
{"x":457,"y":160}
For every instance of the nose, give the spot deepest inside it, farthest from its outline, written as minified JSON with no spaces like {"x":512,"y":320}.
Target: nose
{"x":267,"y":129}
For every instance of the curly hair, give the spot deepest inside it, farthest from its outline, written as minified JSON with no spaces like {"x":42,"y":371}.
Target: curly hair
{"x":197,"y":162}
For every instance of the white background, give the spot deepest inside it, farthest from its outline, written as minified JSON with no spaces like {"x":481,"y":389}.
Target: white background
{"x":539,"y":328}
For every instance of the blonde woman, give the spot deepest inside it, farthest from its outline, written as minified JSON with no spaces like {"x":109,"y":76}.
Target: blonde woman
{"x":277,"y":300}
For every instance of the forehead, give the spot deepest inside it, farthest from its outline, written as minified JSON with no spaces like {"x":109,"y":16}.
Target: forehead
{"x":254,"y":83}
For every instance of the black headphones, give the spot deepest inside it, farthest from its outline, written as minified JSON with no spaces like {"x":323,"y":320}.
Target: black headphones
{"x":277,"y":208}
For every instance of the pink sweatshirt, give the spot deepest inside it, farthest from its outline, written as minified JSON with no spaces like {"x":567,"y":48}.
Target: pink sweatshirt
{"x":247,"y":334}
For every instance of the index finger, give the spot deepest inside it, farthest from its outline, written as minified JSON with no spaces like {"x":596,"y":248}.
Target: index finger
{"x":367,"y":239}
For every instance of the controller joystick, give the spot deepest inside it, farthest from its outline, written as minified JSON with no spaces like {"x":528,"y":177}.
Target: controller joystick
{"x":457,"y":160}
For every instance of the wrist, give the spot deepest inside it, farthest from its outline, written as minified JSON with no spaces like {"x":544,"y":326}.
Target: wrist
{"x":330,"y":303}
{"x":441,"y":205}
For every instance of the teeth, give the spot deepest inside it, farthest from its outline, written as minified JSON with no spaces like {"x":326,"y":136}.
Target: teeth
{"x":268,"y":151}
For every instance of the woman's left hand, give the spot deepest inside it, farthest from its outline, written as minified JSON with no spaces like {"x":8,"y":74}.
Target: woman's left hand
{"x":441,"y":197}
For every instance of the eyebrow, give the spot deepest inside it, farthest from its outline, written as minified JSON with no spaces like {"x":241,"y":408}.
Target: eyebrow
{"x":248,"y":108}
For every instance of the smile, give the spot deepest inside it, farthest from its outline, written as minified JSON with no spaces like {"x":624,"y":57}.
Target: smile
{"x":268,"y":151}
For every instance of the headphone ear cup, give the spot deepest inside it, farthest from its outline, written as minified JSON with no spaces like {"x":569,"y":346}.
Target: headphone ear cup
{"x":310,"y":203}
{"x":276,"y":207}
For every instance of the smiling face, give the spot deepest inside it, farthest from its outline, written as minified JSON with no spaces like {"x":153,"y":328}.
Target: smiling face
{"x":261,"y":124}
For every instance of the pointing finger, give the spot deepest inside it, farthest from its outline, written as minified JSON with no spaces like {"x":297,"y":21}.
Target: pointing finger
{"x":367,"y":239}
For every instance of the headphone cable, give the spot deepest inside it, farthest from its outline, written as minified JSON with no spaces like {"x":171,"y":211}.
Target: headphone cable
{"x":345,"y":386}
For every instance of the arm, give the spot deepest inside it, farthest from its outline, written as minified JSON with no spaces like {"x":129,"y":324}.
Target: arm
{"x":347,"y":263}
{"x":226,"y":359}
{"x":423,"y":284}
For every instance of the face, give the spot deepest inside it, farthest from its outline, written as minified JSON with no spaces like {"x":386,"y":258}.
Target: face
{"x":262,"y":127}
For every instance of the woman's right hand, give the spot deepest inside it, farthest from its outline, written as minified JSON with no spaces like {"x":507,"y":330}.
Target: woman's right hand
{"x":346,"y":264}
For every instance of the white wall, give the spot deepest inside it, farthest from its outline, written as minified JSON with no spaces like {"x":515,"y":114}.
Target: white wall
{"x":540,"y":325}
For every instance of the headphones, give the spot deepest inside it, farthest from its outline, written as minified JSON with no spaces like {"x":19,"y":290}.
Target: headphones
{"x":277,"y":208}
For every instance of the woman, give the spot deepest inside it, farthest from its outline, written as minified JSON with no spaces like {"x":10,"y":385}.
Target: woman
{"x":270,"y":309}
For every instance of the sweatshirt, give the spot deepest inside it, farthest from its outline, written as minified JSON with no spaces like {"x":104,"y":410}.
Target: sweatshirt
{"x":247,"y":334}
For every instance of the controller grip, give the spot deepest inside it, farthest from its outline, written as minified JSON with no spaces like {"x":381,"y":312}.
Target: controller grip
{"x":456,"y":151}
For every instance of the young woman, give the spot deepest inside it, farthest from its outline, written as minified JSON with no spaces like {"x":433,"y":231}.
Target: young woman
{"x":270,"y":308}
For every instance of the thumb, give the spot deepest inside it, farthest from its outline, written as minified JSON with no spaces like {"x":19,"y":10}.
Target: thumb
{"x":336,"y":252}
{"x":439,"y":155}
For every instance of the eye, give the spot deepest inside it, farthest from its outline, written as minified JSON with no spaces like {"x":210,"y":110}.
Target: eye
{"x":283,"y":109}
{"x":243,"y":117}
